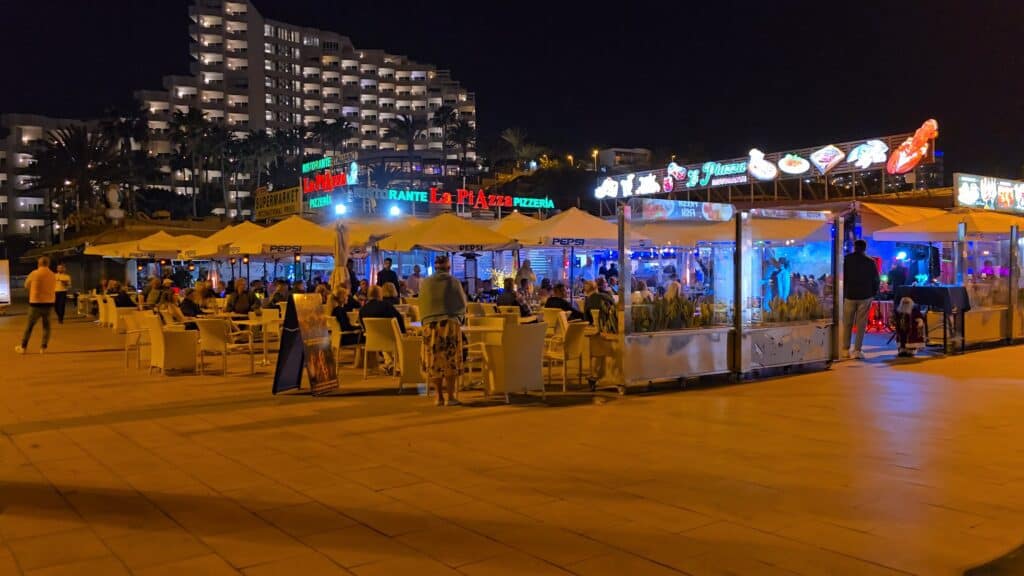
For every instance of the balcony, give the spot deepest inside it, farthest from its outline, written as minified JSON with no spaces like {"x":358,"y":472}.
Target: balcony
{"x":239,"y":106}
{"x":238,"y":51}
{"x":311,"y":92}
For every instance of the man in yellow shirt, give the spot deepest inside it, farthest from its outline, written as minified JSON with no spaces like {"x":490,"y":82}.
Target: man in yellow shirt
{"x":63,"y":285}
{"x":42,"y":293}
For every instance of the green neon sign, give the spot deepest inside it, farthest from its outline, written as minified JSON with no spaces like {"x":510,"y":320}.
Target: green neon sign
{"x":313,"y":166}
{"x":319,"y":202}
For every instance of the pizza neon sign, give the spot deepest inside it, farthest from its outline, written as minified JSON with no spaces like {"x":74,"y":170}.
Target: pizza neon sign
{"x":326,"y":180}
{"x":478,"y":199}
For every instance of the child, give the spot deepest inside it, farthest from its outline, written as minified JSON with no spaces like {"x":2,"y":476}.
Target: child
{"x":910,"y":328}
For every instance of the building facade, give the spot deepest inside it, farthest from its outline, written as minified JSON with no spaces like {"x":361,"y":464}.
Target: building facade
{"x":255,"y":73}
{"x":23,"y":210}
{"x":624,"y":159}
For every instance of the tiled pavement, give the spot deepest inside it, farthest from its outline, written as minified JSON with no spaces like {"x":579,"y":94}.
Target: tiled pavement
{"x":871,"y":468}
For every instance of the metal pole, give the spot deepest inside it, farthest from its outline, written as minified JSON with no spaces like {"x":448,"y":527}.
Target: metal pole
{"x":1014,"y":281}
{"x":737,"y":311}
{"x":837,"y":287}
{"x":960,"y":263}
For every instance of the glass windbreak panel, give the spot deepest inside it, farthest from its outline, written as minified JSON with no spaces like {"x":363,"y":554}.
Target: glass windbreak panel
{"x":787,"y":268}
{"x":681,"y":265}
{"x":987,"y":273}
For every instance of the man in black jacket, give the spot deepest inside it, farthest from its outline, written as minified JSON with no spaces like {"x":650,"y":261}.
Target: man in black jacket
{"x":387,"y":275}
{"x":860,"y":285}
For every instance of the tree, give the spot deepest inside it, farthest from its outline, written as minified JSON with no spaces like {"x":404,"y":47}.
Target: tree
{"x":127,"y":128}
{"x":407,"y":129}
{"x":463,"y":136}
{"x":73,"y":159}
{"x":444,"y":118}
{"x":516,"y":140}
{"x":259,"y":151}
{"x":221,"y":147}
{"x":187,"y":132}
{"x":333,"y":135}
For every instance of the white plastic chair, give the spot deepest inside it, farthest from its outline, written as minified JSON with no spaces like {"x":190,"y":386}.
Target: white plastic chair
{"x":217,"y":337}
{"x":568,"y":348}
{"x":168,"y":350}
{"x":135,"y":338}
{"x":509,"y":310}
{"x":101,"y":306}
{"x":474,"y":309}
{"x":336,"y":336}
{"x":477,"y":342}
{"x":555,"y":319}
{"x":382,"y":335}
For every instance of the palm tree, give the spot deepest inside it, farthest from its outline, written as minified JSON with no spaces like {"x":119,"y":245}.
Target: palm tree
{"x":127,"y":128}
{"x":444,"y":118}
{"x":463,"y":135}
{"x":221,"y":146}
{"x":407,"y":128}
{"x":73,"y":159}
{"x":187,"y":132}
{"x":516,"y":139}
{"x":259,"y":151}
{"x":333,"y":135}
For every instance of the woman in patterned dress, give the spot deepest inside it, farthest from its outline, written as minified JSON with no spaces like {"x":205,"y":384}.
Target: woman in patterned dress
{"x":442,"y":307}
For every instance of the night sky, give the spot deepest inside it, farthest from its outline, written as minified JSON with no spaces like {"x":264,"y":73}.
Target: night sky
{"x":717,"y":77}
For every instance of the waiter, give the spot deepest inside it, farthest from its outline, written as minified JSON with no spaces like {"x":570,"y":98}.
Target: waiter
{"x":63,"y":285}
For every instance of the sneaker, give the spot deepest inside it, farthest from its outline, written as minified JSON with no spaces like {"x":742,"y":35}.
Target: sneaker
{"x":453,"y":402}
{"x":857,"y":354}
{"x":19,"y":349}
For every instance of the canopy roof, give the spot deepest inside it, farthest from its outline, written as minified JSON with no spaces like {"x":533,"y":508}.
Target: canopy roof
{"x":363,"y":232}
{"x":875,"y":217}
{"x":574,"y":228}
{"x":447,"y":233}
{"x":764,"y":229}
{"x":943,"y":227}
{"x":291,"y":235}
{"x":217,"y":244}
{"x":513,"y":224}
{"x":158,"y":245}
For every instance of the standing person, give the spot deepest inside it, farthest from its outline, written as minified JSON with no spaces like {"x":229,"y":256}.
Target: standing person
{"x":387,"y":274}
{"x":897,"y":276}
{"x":613,"y":271}
{"x":42,"y":293}
{"x":526,"y":273}
{"x":412,"y":282}
{"x":353,"y":278}
{"x":442,"y":305}
{"x":860,"y":285}
{"x":63,"y":285}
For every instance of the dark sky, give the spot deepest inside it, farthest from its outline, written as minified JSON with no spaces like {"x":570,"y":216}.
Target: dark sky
{"x":723,"y":75}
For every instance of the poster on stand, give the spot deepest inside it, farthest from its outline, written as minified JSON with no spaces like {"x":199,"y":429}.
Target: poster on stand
{"x":5,"y":283}
{"x":305,"y":343}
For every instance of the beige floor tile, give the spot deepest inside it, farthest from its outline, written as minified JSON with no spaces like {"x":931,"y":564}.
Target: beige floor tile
{"x":266,"y":496}
{"x":515,"y":564}
{"x":356,"y":546}
{"x":144,"y":548}
{"x":28,"y":520}
{"x":305,"y":519}
{"x":105,"y":566}
{"x":555,"y":545}
{"x":382,"y":477}
{"x":427,"y":496}
{"x":311,"y":563}
{"x":8,"y":566}
{"x":392,"y":519}
{"x":209,"y":565}
{"x":618,"y":563}
{"x":253,"y":547}
{"x":55,"y":549}
{"x":453,"y":545}
{"x":421,"y":566}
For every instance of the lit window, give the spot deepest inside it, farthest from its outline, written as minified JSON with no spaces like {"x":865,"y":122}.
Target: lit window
{"x":268,"y":30}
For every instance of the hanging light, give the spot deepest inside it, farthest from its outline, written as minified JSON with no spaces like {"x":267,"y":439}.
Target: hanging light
{"x":139,"y":267}
{"x":232,"y":261}
{"x":298,"y":258}
{"x":191,"y":267}
{"x":245,"y":259}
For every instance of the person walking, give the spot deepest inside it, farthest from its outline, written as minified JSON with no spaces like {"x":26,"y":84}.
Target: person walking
{"x":63,"y":285}
{"x":860,"y":285}
{"x":442,"y":306}
{"x":41,"y":285}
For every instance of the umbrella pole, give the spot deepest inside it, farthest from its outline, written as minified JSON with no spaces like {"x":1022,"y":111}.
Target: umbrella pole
{"x":310,"y":277}
{"x":572,"y":272}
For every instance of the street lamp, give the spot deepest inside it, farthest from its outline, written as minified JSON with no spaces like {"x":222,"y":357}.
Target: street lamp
{"x":569,"y":158}
{"x":593,"y":154}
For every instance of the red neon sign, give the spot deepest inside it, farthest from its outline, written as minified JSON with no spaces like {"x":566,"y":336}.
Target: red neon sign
{"x":479,"y":200}
{"x":324,"y":182}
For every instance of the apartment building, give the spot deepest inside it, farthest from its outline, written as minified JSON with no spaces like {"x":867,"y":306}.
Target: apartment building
{"x":255,"y":73}
{"x":624,"y":159}
{"x":22,"y":210}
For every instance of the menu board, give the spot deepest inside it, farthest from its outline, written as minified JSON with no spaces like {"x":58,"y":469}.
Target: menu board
{"x":306,"y":343}
{"x":5,"y":283}
{"x":989,"y":193}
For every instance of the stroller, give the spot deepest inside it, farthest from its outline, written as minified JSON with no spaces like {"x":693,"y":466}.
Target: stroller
{"x":909,"y":328}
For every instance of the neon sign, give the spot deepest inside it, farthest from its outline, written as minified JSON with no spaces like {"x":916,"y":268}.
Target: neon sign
{"x":989,"y":193}
{"x":477,"y":199}
{"x":827,"y":158}
{"x":761,"y":168}
{"x":321,"y":164}
{"x":319,"y":202}
{"x":868,"y":153}
{"x":910,"y":153}
{"x":794,"y":164}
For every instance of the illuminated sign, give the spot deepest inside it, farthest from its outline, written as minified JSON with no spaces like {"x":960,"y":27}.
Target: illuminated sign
{"x":321,"y":164}
{"x":868,"y":153}
{"x":989,"y":193}
{"x":327,"y":180}
{"x":827,"y":158}
{"x":909,"y":154}
{"x":761,"y":168}
{"x":479,"y":199}
{"x":319,"y":202}
{"x":794,"y":164}
{"x":276,"y":203}
{"x":831,"y":159}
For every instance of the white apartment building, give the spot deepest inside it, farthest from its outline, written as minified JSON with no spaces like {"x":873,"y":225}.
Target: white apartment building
{"x":254,"y":73}
{"x":23,"y":211}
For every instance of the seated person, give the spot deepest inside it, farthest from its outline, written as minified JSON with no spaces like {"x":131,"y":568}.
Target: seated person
{"x":171,"y":313}
{"x":241,"y":301}
{"x":376,"y":307}
{"x":350,"y":334}
{"x":559,"y":301}
{"x":280,"y":293}
{"x":508,"y":297}
{"x":391,"y":294}
{"x":299,"y":287}
{"x":595,"y":300}
{"x":121,"y":298}
{"x":322,"y":291}
{"x":191,"y":305}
